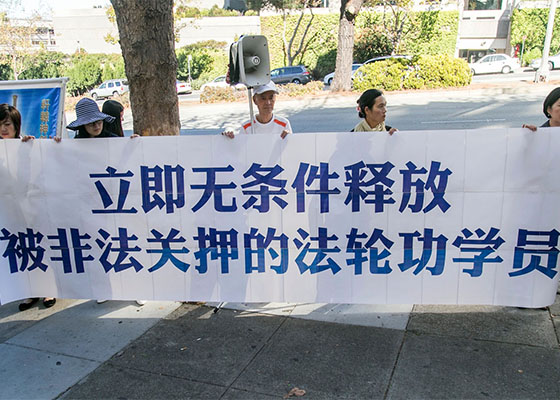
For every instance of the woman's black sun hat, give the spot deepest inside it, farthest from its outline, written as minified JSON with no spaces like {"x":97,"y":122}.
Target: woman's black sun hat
{"x":87,"y":112}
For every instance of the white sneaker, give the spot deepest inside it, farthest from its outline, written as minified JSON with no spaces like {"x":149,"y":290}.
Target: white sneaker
{"x":101,"y":301}
{"x":140,"y":302}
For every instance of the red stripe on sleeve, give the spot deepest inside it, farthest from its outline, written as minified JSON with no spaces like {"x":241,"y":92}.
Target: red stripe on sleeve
{"x":282,"y":124}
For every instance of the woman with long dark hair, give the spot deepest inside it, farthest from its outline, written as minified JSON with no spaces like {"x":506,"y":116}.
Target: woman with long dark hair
{"x":115,"y":110}
{"x":89,"y":120}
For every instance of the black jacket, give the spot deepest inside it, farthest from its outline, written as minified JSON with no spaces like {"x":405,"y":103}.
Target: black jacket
{"x":104,"y":133}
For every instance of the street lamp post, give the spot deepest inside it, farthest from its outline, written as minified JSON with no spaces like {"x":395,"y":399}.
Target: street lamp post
{"x":522,"y":49}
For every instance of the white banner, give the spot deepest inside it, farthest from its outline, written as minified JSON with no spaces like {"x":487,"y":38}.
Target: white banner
{"x":427,"y":217}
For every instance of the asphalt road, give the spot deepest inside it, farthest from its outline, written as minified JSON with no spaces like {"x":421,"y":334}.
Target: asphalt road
{"x":433,"y":110}
{"x":510,"y":104}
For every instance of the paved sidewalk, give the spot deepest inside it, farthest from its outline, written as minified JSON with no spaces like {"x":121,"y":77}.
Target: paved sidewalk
{"x":118,"y":350}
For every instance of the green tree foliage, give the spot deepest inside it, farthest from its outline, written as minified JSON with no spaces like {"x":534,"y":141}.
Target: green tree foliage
{"x":324,"y":30}
{"x":530,"y":55}
{"x":84,"y":74}
{"x":209,"y":60}
{"x":5,"y":72}
{"x":45,"y":64}
{"x":396,"y":21}
{"x":112,"y":67}
{"x":296,"y":29}
{"x":435,"y":32}
{"x":427,"y":32}
{"x":530,"y":23}
{"x":326,"y":63}
{"x":371,"y":42}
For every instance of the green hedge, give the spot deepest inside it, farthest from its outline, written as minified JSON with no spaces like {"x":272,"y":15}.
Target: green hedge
{"x":442,"y":71}
{"x":83,"y":75}
{"x":435,"y":33}
{"x":531,"y":24}
{"x":323,"y":31}
{"x":428,"y":32}
{"x":423,"y":72}
{"x":386,"y":75}
{"x":431,"y":32}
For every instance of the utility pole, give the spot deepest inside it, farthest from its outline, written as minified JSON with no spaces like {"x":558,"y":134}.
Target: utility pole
{"x":542,"y":73}
{"x":189,"y":59}
{"x":461,"y":5}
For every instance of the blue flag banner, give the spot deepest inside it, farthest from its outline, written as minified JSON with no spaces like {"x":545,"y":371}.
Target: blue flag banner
{"x":40,"y":102}
{"x":426,"y":217}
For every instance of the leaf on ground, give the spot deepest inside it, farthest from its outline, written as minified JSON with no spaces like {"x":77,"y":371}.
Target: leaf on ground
{"x":295,"y":392}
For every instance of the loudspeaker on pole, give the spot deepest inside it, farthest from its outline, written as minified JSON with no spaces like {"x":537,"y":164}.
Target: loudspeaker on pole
{"x":249,"y":61}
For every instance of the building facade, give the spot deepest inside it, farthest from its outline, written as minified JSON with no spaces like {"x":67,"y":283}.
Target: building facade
{"x":484,"y":27}
{"x":88,"y":29}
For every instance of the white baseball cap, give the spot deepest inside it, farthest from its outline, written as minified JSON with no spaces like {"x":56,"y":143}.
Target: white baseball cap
{"x":270,"y":86}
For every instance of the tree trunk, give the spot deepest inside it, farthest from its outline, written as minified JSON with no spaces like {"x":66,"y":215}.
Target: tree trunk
{"x":349,"y":10}
{"x":148,"y":47}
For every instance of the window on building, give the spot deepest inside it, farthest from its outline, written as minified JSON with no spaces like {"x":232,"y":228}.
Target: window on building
{"x":483,"y":5}
{"x":475,"y":55}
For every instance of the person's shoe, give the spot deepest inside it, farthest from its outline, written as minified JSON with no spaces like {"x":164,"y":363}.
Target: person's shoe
{"x":101,"y":301}
{"x":49,"y":302}
{"x":27,"y":304}
{"x":140,"y":302}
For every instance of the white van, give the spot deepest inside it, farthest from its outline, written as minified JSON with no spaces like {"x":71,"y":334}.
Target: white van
{"x":112,"y":88}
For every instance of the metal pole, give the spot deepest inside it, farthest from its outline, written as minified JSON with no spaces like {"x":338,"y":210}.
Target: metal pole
{"x":522,"y":49}
{"x":249,"y":94}
{"x":189,"y":58}
{"x":542,"y":73}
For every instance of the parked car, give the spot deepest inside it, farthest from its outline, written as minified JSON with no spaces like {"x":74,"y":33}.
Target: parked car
{"x":113,"y":87}
{"x":183,"y":87}
{"x":295,"y":74}
{"x":383,"y":58}
{"x":553,"y":62}
{"x":327,"y":80}
{"x":220,"y":81}
{"x":494,"y":63}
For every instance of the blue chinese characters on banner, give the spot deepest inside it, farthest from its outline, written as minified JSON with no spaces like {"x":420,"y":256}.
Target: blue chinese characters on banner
{"x":367,"y":188}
